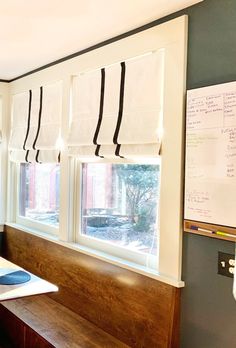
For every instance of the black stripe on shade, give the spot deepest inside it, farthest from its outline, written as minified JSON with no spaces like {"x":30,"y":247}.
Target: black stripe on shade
{"x":97,"y":151}
{"x":120,"y":113}
{"x":28,"y":121}
{"x":117,"y":151}
{"x":102,"y":92}
{"x":40,"y":116}
{"x":37,"y":157}
{"x":59,"y":157}
{"x":26,"y":156}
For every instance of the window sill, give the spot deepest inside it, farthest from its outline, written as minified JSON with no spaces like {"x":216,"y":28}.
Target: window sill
{"x":102,"y":256}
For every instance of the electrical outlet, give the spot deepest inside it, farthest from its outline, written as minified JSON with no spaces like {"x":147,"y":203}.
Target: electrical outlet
{"x":226,"y":264}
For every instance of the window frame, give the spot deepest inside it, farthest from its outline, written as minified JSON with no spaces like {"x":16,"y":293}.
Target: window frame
{"x":171,"y":36}
{"x":4,"y":95}
{"x":146,"y":260}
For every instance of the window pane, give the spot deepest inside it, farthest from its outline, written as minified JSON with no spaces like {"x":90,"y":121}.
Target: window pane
{"x":120,"y":204}
{"x":39,"y":192}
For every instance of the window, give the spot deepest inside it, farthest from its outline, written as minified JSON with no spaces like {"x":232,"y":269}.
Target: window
{"x":39,"y":193}
{"x":124,"y":109}
{"x":123,"y":117}
{"x":119,"y":201}
{"x":120,"y":204}
{"x":119,"y":210}
{"x":34,"y":153}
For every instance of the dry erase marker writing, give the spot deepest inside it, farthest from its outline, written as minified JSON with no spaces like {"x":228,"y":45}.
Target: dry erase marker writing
{"x":200,"y":229}
{"x":225,"y":234}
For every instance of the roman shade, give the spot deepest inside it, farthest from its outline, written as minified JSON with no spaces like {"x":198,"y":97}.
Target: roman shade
{"x":117,"y":110}
{"x":36,"y":120}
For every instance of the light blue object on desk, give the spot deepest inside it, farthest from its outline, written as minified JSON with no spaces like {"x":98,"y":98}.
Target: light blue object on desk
{"x":13,"y":278}
{"x":33,"y":286}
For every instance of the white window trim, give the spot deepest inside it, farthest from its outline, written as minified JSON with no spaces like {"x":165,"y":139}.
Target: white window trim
{"x":4,"y":94}
{"x":35,"y":225}
{"x":146,"y":260}
{"x":172,"y":36}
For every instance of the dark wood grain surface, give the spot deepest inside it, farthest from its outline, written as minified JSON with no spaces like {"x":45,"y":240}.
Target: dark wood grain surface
{"x":35,"y":341}
{"x":12,"y":329}
{"x":138,"y":310}
{"x":56,"y":325}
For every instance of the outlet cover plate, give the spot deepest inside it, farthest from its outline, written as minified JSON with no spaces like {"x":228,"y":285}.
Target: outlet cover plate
{"x":224,"y":265}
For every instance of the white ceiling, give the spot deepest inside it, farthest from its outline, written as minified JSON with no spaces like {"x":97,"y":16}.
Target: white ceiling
{"x":34,"y":33}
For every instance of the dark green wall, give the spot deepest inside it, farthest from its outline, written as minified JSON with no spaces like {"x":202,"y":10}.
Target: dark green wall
{"x":212,"y":43}
{"x":208,"y":309}
{"x":208,"y":317}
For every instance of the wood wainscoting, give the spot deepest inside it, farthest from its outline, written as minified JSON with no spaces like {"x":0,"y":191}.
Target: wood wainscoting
{"x":138,"y":310}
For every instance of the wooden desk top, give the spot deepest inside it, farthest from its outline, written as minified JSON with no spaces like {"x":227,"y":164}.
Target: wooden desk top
{"x":34,"y":286}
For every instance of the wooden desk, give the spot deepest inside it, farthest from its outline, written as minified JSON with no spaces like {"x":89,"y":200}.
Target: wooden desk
{"x":34,"y":286}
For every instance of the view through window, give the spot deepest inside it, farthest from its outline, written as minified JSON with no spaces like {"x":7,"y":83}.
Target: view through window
{"x":120,"y":204}
{"x":39,"y":192}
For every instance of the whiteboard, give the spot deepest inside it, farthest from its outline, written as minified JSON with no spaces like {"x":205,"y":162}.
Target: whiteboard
{"x":210,"y":174}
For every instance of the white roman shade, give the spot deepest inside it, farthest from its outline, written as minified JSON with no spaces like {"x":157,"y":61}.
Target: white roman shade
{"x":36,"y":120}
{"x":117,"y":110}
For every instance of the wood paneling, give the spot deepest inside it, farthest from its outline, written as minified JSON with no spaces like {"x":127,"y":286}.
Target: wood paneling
{"x":58,"y":325}
{"x":17,"y":333}
{"x":13,"y":327}
{"x":35,"y":341}
{"x":138,"y":310}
